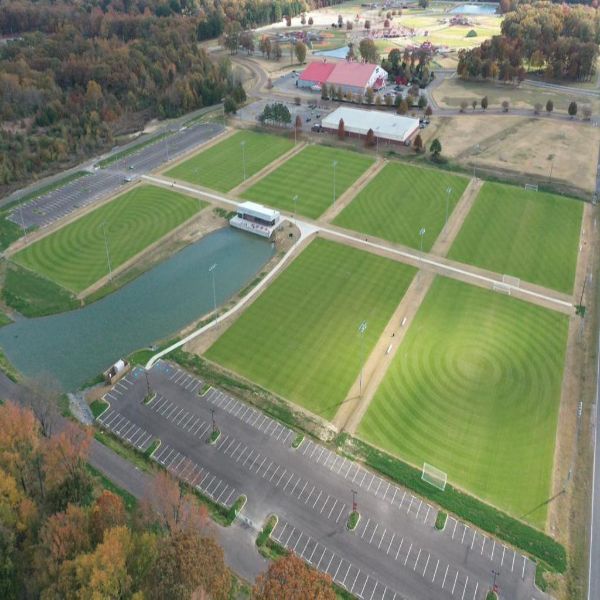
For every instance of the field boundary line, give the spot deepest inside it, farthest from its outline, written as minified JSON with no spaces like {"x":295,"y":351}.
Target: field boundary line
{"x":348,"y":196}
{"x":267,"y":170}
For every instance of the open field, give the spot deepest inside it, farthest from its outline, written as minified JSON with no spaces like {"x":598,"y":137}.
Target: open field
{"x":525,"y":146}
{"x":400,"y":200}
{"x":474,"y":390}
{"x":76,"y":255}
{"x":310,"y":175}
{"x":221,"y":167}
{"x":300,"y":338}
{"x":526,"y":234}
{"x":451,"y":92}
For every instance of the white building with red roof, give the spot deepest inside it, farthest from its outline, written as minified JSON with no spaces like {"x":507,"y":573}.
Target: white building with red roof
{"x":353,"y":77}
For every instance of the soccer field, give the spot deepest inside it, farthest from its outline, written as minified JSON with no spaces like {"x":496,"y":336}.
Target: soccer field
{"x":221,"y":167}
{"x":400,"y":201}
{"x":76,"y":255}
{"x":474,"y":390}
{"x":309,"y":175}
{"x":300,"y":338}
{"x":530,"y":235}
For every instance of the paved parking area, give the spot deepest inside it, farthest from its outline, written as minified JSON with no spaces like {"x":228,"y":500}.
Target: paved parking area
{"x":100,"y":183}
{"x":394,"y":552}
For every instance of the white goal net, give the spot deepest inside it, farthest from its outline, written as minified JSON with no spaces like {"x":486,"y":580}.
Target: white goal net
{"x":501,"y":288}
{"x":531,"y":187}
{"x":434,"y":476}
{"x":513,"y":281}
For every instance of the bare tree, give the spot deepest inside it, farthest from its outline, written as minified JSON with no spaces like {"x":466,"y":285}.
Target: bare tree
{"x":41,"y":394}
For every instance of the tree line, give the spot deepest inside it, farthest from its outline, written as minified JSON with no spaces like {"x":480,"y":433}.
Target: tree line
{"x":65,"y":534}
{"x":559,"y":41}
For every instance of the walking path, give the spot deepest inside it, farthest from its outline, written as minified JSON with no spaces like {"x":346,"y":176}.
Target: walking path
{"x":360,"y":395}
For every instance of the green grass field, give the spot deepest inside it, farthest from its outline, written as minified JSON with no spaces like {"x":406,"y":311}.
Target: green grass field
{"x":75,"y":256}
{"x":309,"y":174}
{"x":400,"y":200}
{"x":530,"y":235}
{"x":474,"y":389}
{"x":300,"y":338}
{"x":221,"y":167}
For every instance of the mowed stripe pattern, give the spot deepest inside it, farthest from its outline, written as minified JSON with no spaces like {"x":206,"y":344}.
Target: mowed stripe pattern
{"x":76,"y":256}
{"x":400,"y":201}
{"x":474,"y":390}
{"x":526,"y":234}
{"x":300,"y":337}
{"x":221,"y":167}
{"x":310,"y":176}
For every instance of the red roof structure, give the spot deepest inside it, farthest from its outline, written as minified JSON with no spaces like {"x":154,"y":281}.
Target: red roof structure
{"x":318,"y":72}
{"x":351,"y":74}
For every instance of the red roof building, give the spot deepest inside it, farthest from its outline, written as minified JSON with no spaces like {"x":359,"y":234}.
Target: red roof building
{"x":353,"y":77}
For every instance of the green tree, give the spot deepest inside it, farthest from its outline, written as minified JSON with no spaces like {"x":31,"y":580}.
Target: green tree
{"x":435,"y":148}
{"x":369,"y":95}
{"x":549,"y":106}
{"x":484,"y":103}
{"x":300,"y":51}
{"x":368,"y":51}
{"x":572,"y":110}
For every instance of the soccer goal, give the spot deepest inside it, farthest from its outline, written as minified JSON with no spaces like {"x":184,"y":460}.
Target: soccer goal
{"x":501,"y":288}
{"x":531,"y":187}
{"x":434,"y":476}
{"x":512,"y":281}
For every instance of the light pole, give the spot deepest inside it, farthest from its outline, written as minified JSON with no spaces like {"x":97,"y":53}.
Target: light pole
{"x":214,"y":423}
{"x":334,"y":166}
{"x":354,"y":504}
{"x":107,"y":251}
{"x":494,"y":585}
{"x":211,"y":270}
{"x":243,"y":145}
{"x":361,"y":329}
{"x":421,"y":234}
{"x":448,"y":192}
{"x":295,"y":201}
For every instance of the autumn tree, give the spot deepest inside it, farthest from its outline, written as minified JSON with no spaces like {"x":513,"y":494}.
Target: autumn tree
{"x":370,"y":139}
{"x":367,"y":24}
{"x":341,"y":129}
{"x":107,"y":512}
{"x":300,"y":51}
{"x":586,"y":112}
{"x":291,"y":578}
{"x":418,"y":143}
{"x":189,"y":563}
{"x":505,"y":105}
{"x":428,"y":111}
{"x":310,"y":20}
{"x":537,"y":108}
{"x":41,"y":394}
{"x":463,"y":105}
{"x":369,"y":95}
{"x":368,"y":51}
{"x":167,"y":505}
{"x":402,"y":108}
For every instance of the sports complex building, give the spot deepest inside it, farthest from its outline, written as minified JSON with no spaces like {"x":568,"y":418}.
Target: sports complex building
{"x":351,"y":77}
{"x":387,"y":127}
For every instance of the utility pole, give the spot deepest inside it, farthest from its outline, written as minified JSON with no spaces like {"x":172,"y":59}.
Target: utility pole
{"x":494,"y":585}
{"x":107,"y":251}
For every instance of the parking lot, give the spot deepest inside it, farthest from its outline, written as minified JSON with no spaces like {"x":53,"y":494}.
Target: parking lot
{"x":100,"y":183}
{"x":394,"y":551}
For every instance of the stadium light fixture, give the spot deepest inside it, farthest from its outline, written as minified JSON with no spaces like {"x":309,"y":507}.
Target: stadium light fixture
{"x":421,"y":234}
{"x":361,"y":329}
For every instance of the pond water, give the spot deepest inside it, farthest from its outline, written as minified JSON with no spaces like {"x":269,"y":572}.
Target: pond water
{"x":76,"y":346}
{"x":335,"y":53}
{"x":474,"y":9}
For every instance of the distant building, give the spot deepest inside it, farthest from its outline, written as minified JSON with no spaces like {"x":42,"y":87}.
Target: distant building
{"x":387,"y":127}
{"x":256,"y":218}
{"x":352,"y":77}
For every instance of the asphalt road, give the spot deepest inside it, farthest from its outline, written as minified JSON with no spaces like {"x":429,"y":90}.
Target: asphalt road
{"x":99,"y":183}
{"x":395,"y":551}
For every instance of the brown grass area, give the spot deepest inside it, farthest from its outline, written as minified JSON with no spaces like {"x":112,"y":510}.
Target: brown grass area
{"x":528,"y":147}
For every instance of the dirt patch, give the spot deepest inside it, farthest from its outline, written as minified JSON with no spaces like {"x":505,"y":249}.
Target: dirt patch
{"x":541,"y":151}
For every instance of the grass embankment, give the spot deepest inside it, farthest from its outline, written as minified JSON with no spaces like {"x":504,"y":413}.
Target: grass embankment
{"x":129,"y":500}
{"x":75,"y":256}
{"x":310,"y":176}
{"x":221,"y":167}
{"x":33,"y":295}
{"x":269,"y":548}
{"x":526,"y":234}
{"x":486,"y":517}
{"x":400,"y":201}
{"x":318,"y":304}
{"x":134,"y":149}
{"x":474,"y":390}
{"x":4,"y":319}
{"x":98,"y":407}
